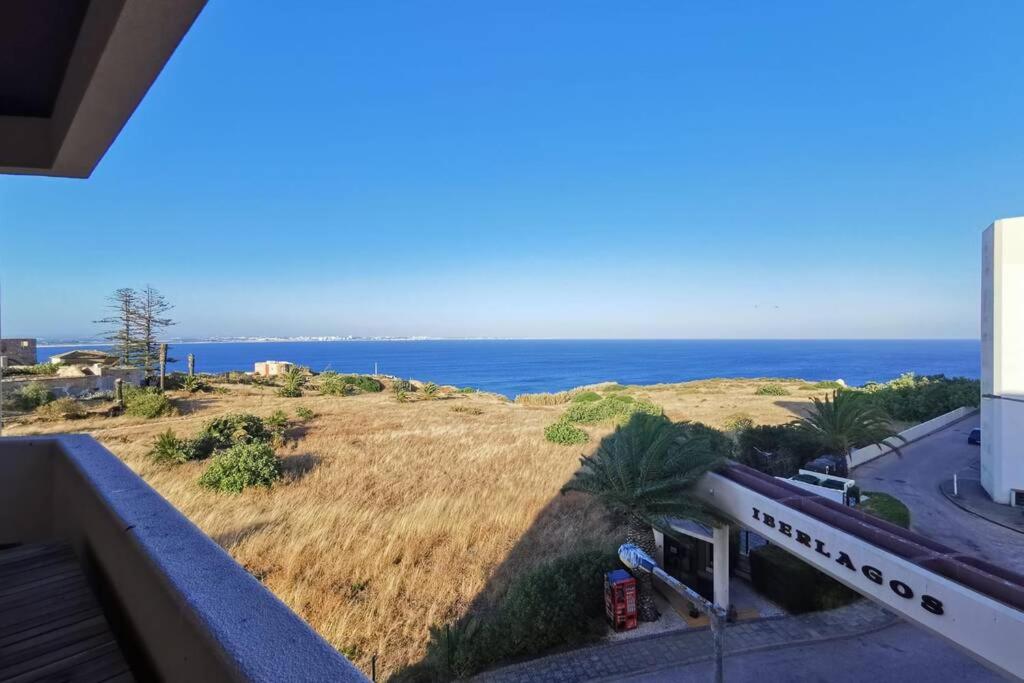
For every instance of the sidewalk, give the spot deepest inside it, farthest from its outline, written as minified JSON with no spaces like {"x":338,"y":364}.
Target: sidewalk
{"x":973,"y":498}
{"x":615,"y":659}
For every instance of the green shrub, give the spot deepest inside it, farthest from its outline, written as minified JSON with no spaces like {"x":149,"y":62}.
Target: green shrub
{"x":565,"y":433}
{"x":828,"y":384}
{"x":237,"y":428}
{"x":586,"y":397}
{"x":918,"y":398}
{"x":737,"y":422}
{"x":304,"y":413}
{"x":241,"y":466}
{"x":607,"y":409}
{"x":65,"y":408}
{"x":795,"y":585}
{"x":40,"y":369}
{"x":193,"y":384}
{"x":292,"y":382}
{"x":331,"y":384}
{"x":147,"y":402}
{"x":365,"y":383}
{"x":771,"y":389}
{"x":789,"y":448}
{"x":614,"y":387}
{"x":430,"y":390}
{"x":622,"y":398}
{"x":277,"y":423}
{"x":886,"y":507}
{"x":33,"y":395}
{"x":168,"y":448}
{"x":558,"y":604}
{"x":466,"y":390}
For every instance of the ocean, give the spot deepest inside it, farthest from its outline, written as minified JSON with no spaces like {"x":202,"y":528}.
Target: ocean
{"x":513,"y":367}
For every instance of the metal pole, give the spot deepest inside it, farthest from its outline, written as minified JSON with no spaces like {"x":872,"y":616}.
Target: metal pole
{"x":956,"y":491}
{"x":637,"y":560}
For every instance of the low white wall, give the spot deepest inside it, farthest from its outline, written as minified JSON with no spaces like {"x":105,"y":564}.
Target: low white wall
{"x":869,"y":453}
{"x":77,"y":386}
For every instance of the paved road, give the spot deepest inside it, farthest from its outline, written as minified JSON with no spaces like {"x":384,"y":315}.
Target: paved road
{"x":898,"y":653}
{"x":914,"y":478}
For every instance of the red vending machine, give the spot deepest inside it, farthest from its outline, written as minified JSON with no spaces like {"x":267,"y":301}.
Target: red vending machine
{"x":620,"y":599}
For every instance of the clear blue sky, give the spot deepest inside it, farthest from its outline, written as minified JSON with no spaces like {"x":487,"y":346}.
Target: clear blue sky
{"x":557,"y":169}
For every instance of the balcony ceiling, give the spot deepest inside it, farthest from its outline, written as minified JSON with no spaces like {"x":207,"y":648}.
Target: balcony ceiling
{"x":73,"y":71}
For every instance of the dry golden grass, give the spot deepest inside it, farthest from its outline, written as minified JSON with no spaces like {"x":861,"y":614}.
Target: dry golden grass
{"x":396,"y":516}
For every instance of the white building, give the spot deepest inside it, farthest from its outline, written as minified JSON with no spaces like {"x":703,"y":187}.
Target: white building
{"x":1002,"y":361}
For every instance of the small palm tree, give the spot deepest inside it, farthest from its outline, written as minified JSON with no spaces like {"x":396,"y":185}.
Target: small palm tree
{"x":645,"y":471}
{"x":844,"y":421}
{"x":292,"y":382}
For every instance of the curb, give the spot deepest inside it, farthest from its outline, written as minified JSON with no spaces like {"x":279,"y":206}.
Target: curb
{"x":893,"y":621}
{"x":976,"y":514}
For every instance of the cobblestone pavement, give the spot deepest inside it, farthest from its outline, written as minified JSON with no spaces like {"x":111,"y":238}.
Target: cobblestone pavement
{"x":612,"y":660}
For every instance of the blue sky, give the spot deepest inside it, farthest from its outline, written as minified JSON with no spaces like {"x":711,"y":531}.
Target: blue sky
{"x":570,"y":169}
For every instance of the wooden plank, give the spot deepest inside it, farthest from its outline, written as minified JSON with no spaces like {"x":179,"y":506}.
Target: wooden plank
{"x":51,"y":626}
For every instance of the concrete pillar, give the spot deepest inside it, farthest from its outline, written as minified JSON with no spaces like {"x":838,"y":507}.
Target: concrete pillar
{"x":1002,"y":360}
{"x":720,"y":559}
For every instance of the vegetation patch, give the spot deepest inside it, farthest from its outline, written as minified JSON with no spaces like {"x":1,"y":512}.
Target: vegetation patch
{"x":305,"y":414}
{"x":737,"y":422}
{"x":771,"y":389}
{"x":884,"y":506}
{"x":32,"y":396}
{"x":292,"y":382}
{"x":62,"y":409}
{"x":918,"y":398}
{"x":41,"y":369}
{"x":147,"y":402}
{"x":334,"y":384}
{"x":828,"y":384}
{"x":242,"y":466}
{"x":586,"y":397}
{"x":564,"y":433}
{"x":558,"y":604}
{"x":608,"y":409}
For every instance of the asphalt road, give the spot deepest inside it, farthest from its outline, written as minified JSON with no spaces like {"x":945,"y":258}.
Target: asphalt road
{"x":914,"y":478}
{"x":898,"y":653}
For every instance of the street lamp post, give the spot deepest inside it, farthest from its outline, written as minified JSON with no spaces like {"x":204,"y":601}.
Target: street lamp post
{"x":637,"y":560}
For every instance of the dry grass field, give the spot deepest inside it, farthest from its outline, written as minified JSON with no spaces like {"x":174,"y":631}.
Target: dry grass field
{"x":394,"y":516}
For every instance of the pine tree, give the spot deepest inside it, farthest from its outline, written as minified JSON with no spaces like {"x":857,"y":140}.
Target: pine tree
{"x":123,"y":322}
{"x":150,"y":313}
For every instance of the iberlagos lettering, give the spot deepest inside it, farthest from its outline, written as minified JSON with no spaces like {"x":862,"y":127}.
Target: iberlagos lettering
{"x":842,"y":558}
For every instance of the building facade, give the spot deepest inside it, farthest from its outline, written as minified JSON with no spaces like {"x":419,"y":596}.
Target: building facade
{"x":18,"y":351}
{"x":1002,"y":361}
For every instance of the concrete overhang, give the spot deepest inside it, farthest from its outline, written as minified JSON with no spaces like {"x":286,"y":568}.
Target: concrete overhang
{"x":73,"y":71}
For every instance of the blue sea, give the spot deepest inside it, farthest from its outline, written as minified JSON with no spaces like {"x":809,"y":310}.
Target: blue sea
{"x":513,"y":367}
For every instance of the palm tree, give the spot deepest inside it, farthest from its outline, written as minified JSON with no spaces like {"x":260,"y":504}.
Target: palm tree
{"x":645,"y":471}
{"x":846,"y":420}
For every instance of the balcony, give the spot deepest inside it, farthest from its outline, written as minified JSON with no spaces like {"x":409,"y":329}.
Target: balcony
{"x":109,"y":580}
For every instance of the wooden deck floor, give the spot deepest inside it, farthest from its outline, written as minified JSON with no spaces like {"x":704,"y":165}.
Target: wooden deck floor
{"x":51,"y":626}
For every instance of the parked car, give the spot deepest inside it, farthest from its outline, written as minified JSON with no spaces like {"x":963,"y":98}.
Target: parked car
{"x":975,"y":436}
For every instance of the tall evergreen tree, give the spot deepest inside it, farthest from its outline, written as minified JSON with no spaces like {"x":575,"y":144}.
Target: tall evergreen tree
{"x":122,"y":324}
{"x":150,"y":312}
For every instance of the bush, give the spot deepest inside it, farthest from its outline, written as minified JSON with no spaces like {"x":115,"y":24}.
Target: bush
{"x":277,"y":422}
{"x":737,"y":422}
{"x":292,"y":382}
{"x":828,"y":384}
{"x":242,"y":466}
{"x":32,"y":396}
{"x":886,"y":507}
{"x":918,"y":398}
{"x":586,"y":397}
{"x":147,"y":402}
{"x":771,"y":389}
{"x":430,"y":390}
{"x":193,"y":384}
{"x":41,"y":369}
{"x":558,"y":604}
{"x":304,"y":413}
{"x":61,"y":409}
{"x":363,"y":383}
{"x":607,"y":409}
{"x":789,"y":449}
{"x":331,"y":384}
{"x":466,"y":390}
{"x":167,"y":448}
{"x":230,"y":430}
{"x":565,"y":434}
{"x":795,"y":585}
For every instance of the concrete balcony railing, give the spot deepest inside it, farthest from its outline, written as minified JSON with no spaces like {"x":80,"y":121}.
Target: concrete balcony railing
{"x":178,"y":606}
